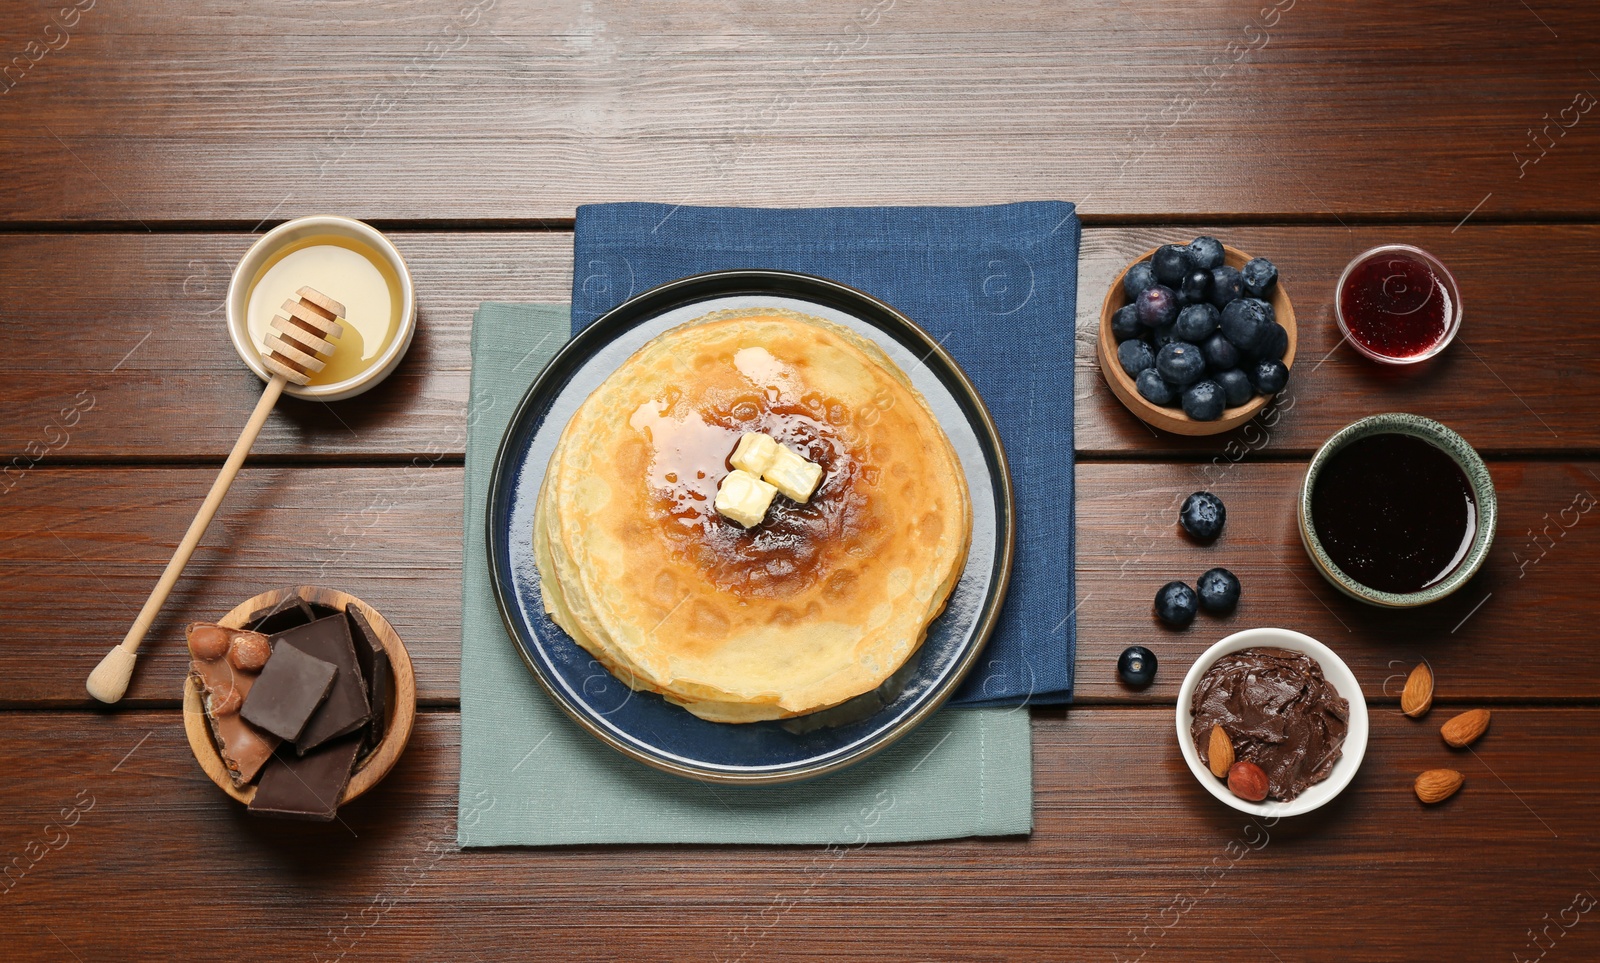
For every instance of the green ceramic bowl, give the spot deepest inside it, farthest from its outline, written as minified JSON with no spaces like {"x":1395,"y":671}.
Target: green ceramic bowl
{"x":1441,"y":437}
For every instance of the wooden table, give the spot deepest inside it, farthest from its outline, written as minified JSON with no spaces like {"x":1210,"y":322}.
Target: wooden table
{"x":145,"y":144}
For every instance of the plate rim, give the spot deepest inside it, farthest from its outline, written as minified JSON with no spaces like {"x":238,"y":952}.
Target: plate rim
{"x":579,"y":346}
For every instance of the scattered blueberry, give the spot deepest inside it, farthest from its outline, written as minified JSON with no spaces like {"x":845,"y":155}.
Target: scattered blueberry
{"x":1269,"y":377}
{"x":1204,"y":401}
{"x":1137,"y":666}
{"x":1176,"y":604}
{"x":1219,"y":591}
{"x":1195,"y":287}
{"x":1246,"y":322}
{"x":1153,"y":388}
{"x":1135,"y":356}
{"x":1180,"y":363}
{"x":1138,"y":278}
{"x":1125,"y":323}
{"x":1203,"y":516}
{"x":1205,"y":252}
{"x":1236,"y":386}
{"x":1196,"y":323}
{"x":1275,"y":345}
{"x":1157,"y":306}
{"x":1170,"y":263}
{"x":1227,"y":285}
{"x":1259,"y":275}
{"x":1220,"y":353}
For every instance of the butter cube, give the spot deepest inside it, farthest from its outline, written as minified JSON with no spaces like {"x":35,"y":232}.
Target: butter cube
{"x":744,"y":498}
{"x":793,"y":475}
{"x":755,"y":452}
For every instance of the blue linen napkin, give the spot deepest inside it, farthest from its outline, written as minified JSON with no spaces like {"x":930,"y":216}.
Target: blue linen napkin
{"x":997,"y":286}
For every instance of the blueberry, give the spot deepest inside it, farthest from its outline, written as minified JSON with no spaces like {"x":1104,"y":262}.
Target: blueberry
{"x":1195,"y":287}
{"x":1260,"y":275}
{"x":1269,"y":377}
{"x":1170,"y":263}
{"x":1220,"y":354}
{"x":1161,"y":337}
{"x":1275,"y":345}
{"x":1135,"y":356}
{"x":1226,"y":285}
{"x":1236,"y":386}
{"x":1176,"y":604}
{"x":1137,"y":666}
{"x":1125,"y":323}
{"x":1180,"y":363}
{"x":1153,"y":388}
{"x":1157,"y":306}
{"x":1203,"y":516}
{"x":1205,"y":252}
{"x":1219,"y":591}
{"x":1204,"y":401}
{"x":1196,"y":323}
{"x":1138,"y":278}
{"x":1246,"y":322}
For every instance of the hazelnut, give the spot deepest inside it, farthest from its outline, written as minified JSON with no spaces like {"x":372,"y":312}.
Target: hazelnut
{"x":224,"y":701}
{"x":208,"y":642}
{"x":1247,"y":781}
{"x":249,"y":652}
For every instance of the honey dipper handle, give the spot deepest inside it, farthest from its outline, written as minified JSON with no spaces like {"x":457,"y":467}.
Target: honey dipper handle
{"x":110,"y":678}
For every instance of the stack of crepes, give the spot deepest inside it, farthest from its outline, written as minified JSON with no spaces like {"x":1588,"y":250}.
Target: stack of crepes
{"x":817,"y":604}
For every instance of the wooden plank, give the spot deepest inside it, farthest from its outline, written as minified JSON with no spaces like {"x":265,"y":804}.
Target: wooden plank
{"x":80,"y":547}
{"x":1129,"y":859}
{"x":518,"y":109}
{"x":183,"y":394}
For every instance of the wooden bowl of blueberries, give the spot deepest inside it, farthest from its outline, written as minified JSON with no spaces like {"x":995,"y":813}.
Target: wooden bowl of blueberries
{"x":1197,"y":338}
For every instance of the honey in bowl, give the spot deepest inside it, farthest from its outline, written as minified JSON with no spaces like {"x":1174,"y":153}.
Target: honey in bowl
{"x":346,"y":270}
{"x":1394,"y":512}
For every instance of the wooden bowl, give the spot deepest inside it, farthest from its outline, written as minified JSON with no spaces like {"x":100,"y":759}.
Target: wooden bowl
{"x":370,"y":768}
{"x":1173,"y":419}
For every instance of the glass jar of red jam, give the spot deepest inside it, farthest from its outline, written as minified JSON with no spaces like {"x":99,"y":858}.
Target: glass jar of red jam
{"x":1398,"y":304}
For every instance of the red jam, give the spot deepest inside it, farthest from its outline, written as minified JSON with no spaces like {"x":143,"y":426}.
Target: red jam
{"x":1396,"y":306}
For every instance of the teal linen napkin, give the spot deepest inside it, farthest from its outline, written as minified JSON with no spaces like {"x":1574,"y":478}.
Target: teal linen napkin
{"x":531,"y":777}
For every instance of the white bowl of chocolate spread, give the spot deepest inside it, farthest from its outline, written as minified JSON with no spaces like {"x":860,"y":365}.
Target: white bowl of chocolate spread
{"x":1288,"y":704}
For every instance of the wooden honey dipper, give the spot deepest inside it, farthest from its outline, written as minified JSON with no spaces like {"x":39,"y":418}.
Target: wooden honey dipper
{"x":300,"y":338}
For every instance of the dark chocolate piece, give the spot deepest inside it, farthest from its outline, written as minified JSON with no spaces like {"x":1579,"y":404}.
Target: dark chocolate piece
{"x":320,"y":611}
{"x":374,"y":659}
{"x":281,"y":617}
{"x":288,"y":691}
{"x":345,"y":710}
{"x":308,"y":786}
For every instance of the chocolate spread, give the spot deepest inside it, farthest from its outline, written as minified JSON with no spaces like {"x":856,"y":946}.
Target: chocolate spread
{"x":1279,"y":711}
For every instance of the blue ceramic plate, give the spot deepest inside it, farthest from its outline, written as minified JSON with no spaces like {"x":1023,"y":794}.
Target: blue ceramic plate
{"x":643,"y":725}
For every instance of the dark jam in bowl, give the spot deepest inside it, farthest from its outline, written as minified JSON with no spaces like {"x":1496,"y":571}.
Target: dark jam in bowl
{"x":1395,"y":305}
{"x":1394,"y":512}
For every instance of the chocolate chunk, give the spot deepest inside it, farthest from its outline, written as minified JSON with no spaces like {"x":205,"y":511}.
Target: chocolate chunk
{"x":288,"y":691}
{"x":345,"y":710}
{"x":379,"y":673}
{"x":308,"y":786}
{"x":244,"y":748}
{"x":281,"y":617}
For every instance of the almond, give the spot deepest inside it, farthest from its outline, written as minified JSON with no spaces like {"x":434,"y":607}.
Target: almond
{"x":1247,"y":781}
{"x":1437,"y":785}
{"x":1464,"y":730}
{"x":1219,"y":753}
{"x":1417,"y":699}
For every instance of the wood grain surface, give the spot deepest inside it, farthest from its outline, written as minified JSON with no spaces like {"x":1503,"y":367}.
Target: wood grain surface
{"x":521,"y":109}
{"x":1518,"y":379}
{"x":1129,"y":858}
{"x":143,"y":146}
{"x":393,"y":538}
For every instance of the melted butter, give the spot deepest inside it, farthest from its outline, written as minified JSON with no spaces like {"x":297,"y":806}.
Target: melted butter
{"x":690,"y":446}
